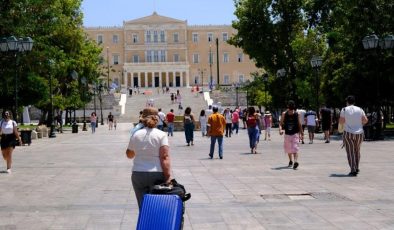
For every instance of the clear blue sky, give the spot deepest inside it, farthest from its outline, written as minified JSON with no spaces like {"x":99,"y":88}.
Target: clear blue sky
{"x":196,"y":12}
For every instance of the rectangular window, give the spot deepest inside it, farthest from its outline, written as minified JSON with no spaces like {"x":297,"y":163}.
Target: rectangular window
{"x":210,"y":37}
{"x":225,"y":36}
{"x":162,"y":37}
{"x":162,"y":56}
{"x":196,"y":58}
{"x":197,"y":80}
{"x":225,"y":58}
{"x":100,"y":39}
{"x":115,"y":39}
{"x":135,"y":38}
{"x":148,"y":56}
{"x":156,"y":56}
{"x":195,"y":37}
{"x":155,"y":37}
{"x":148,"y":37}
{"x":176,"y":37}
{"x":240,"y":57}
{"x":226,"y":79}
{"x":136,"y":58}
{"x":176,"y":57}
{"x":115,"y":59}
{"x":241,"y":78}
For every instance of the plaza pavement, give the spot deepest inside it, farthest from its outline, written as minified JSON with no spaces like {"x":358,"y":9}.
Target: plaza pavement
{"x":82,"y":181}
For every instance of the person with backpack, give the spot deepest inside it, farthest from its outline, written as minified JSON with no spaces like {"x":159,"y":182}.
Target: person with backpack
{"x":252,"y":123}
{"x":290,"y":125}
{"x":9,"y":135}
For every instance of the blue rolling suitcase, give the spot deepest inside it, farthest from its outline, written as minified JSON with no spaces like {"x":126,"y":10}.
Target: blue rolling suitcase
{"x":161,"y":212}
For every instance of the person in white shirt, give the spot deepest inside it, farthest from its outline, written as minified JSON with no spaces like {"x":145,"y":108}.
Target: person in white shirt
{"x":311,"y":120}
{"x":149,"y":148}
{"x":9,"y":135}
{"x":162,"y":118}
{"x":301,"y":115}
{"x":353,"y":118}
{"x":229,"y":121}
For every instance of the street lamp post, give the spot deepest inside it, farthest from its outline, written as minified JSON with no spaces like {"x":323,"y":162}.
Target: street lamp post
{"x":372,"y":42}
{"x":210,"y":67}
{"x":217,"y":63}
{"x":83,"y":81}
{"x":100,"y":89}
{"x":201,"y":71}
{"x":236,"y":95}
{"x":51,"y":120}
{"x":108,"y":68}
{"x":16,"y":46}
{"x":316,"y":63}
{"x":94,"y":100}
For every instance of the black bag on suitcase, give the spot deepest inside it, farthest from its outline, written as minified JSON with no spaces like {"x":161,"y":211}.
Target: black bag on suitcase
{"x":174,"y":188}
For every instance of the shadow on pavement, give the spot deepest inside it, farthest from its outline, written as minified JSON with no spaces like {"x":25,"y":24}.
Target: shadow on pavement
{"x":281,"y":168}
{"x":340,"y":175}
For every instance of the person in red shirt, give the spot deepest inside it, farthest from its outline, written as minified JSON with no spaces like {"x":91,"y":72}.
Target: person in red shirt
{"x":170,"y":122}
{"x":235,"y":120}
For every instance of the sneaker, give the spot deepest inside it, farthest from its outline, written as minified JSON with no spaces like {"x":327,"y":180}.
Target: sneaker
{"x":192,"y":143}
{"x":327,"y":141}
{"x":221,"y":157}
{"x":352,"y":174}
{"x":9,"y":171}
{"x":290,"y":163}
{"x":211,"y":157}
{"x":302,"y":142}
{"x":310,"y":142}
{"x":295,"y":165}
{"x":357,"y":170}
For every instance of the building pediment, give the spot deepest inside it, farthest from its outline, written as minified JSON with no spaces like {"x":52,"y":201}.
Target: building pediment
{"x":154,"y":19}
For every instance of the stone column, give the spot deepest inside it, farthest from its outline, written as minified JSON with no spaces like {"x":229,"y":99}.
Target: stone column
{"x":187,"y":79}
{"x":139,"y":79}
{"x":173,"y":79}
{"x":146,"y":79}
{"x":167,"y":79}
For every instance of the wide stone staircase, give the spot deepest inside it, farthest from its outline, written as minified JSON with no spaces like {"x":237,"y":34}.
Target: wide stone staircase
{"x":136,"y":103}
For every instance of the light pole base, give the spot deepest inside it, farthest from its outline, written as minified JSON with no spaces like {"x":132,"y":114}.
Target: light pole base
{"x":84,"y":126}
{"x":52,"y":132}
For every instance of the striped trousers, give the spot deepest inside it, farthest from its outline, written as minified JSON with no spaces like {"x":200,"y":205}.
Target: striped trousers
{"x":352,"y":143}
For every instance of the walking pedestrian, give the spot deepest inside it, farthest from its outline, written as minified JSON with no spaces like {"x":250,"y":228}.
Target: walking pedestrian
{"x":203,"y":122}
{"x":252,"y":123}
{"x":353,"y":118}
{"x":290,"y":125}
{"x":9,"y":136}
{"x":235,"y":121}
{"x":110,"y":121}
{"x":150,"y":150}
{"x":311,"y":122}
{"x":162,"y":118}
{"x":326,"y":121}
{"x":267,"y":125}
{"x":216,"y":126}
{"x":301,"y":115}
{"x":229,"y":121}
{"x":170,"y":117}
{"x":93,"y":121}
{"x":188,"y":124}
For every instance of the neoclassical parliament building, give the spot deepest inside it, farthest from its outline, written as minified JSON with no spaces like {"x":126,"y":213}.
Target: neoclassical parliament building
{"x":158,"y":51}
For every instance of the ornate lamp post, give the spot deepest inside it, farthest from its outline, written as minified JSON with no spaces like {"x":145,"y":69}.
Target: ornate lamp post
{"x":100,"y":90}
{"x":51,"y":120}
{"x":15,"y":46}
{"x":84,"y":85}
{"x":371,"y":42}
{"x":316,"y":63}
{"x":202,"y":71}
{"x":108,"y":68}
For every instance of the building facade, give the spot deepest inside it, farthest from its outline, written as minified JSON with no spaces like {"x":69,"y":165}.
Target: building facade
{"x":158,"y":51}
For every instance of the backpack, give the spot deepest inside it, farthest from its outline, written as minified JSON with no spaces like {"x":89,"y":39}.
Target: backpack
{"x":251,"y":121}
{"x":174,"y":188}
{"x":188,"y":119}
